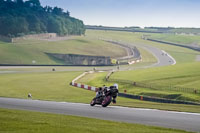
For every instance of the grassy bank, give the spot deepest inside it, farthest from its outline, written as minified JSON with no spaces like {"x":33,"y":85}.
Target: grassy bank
{"x":184,"y":76}
{"x":27,"y":51}
{"x":180,"y":39}
{"x":55,"y":86}
{"x":182,"y":55}
{"x":34,"y":122}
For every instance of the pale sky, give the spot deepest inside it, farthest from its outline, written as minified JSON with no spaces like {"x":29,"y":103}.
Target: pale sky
{"x":120,"y":13}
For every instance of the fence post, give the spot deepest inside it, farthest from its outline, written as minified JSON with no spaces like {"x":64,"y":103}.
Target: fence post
{"x":195,"y":91}
{"x":141,"y":97}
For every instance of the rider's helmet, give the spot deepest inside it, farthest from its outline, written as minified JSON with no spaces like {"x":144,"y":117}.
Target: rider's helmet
{"x":116,"y":85}
{"x":100,"y":88}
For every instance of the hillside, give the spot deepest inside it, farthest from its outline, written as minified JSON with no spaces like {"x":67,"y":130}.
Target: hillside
{"x":20,"y":17}
{"x":183,"y":39}
{"x":34,"y":51}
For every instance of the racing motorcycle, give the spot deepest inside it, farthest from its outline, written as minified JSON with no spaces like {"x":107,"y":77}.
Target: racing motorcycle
{"x":107,"y":96}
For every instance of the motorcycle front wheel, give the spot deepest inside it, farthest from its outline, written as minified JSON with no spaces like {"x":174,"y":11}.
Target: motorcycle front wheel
{"x":92,"y":103}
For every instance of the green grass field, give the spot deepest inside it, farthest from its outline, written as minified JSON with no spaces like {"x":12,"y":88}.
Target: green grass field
{"x":98,"y":79}
{"x":55,"y":86}
{"x":180,"y":76}
{"x":24,"y":52}
{"x":180,"y":39}
{"x":45,"y":86}
{"x":182,"y":55}
{"x":13,"y":121}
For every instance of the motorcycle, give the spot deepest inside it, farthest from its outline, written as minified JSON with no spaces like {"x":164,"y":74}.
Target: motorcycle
{"x":105,"y":99}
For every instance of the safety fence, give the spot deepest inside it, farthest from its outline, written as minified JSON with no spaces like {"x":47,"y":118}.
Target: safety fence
{"x":155,"y":86}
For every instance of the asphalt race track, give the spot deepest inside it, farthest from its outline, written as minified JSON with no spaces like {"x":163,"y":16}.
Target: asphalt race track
{"x":163,"y":57}
{"x":169,"y":119}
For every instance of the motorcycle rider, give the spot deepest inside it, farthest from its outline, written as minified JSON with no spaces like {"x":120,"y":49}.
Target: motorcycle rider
{"x":102,"y":90}
{"x":115,"y":88}
{"x":99,"y":92}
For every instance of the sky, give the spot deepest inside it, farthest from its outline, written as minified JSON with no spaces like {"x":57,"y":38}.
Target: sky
{"x":143,"y":13}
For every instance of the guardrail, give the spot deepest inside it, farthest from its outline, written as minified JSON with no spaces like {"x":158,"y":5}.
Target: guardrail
{"x":153,"y":99}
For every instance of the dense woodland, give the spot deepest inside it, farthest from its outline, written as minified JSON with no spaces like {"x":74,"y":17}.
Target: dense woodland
{"x":21,"y":17}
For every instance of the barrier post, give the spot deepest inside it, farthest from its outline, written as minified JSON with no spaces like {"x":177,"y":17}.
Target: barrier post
{"x":141,"y":97}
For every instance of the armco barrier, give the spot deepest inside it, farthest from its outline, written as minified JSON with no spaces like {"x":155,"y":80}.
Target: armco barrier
{"x":152,"y":99}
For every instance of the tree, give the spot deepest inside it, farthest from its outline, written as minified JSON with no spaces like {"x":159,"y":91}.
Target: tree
{"x":48,"y":9}
{"x":34,"y":3}
{"x":26,"y":16}
{"x":13,"y":25}
{"x":67,"y":14}
{"x":57,"y":11}
{"x":54,"y":26}
{"x":21,"y":25}
{"x":19,"y":2}
{"x":34,"y":23}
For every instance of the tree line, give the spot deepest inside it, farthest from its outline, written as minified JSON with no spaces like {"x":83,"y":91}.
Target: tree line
{"x":19,"y":17}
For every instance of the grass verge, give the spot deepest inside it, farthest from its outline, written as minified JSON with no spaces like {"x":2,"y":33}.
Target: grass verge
{"x":13,"y":121}
{"x":45,"y":86}
{"x":29,"y":51}
{"x":55,"y":86}
{"x":181,"y":39}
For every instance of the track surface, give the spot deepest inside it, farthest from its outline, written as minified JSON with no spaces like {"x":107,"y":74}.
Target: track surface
{"x":163,"y":58}
{"x":169,"y":119}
